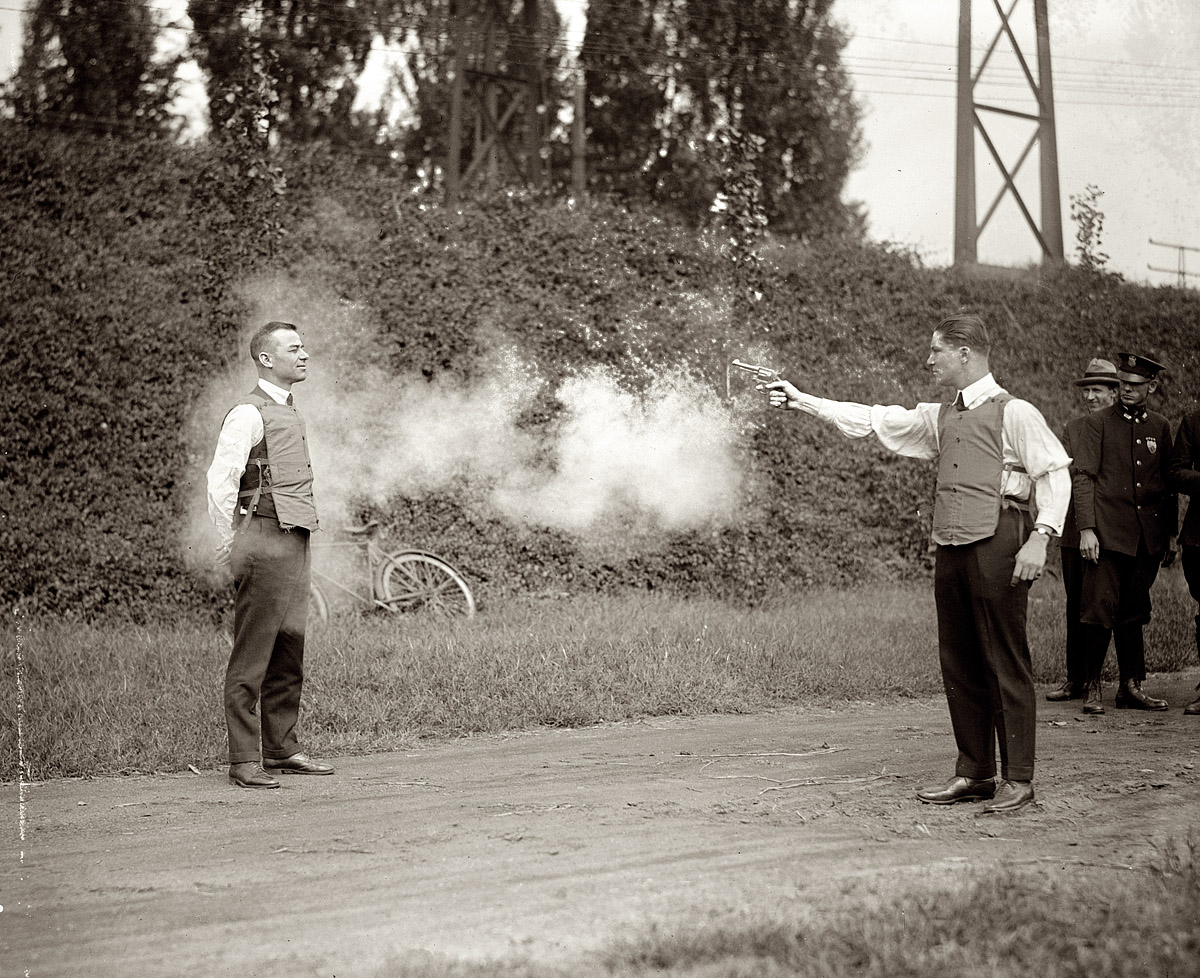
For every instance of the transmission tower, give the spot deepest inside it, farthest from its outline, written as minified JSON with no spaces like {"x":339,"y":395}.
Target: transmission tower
{"x":499,"y":113}
{"x":972,"y":118}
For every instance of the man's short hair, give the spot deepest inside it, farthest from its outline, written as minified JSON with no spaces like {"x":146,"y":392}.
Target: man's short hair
{"x":258,"y":342}
{"x":965,"y":329}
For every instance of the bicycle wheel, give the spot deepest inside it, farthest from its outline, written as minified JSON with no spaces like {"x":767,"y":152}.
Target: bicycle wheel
{"x":318,"y":607}
{"x":412,"y":582}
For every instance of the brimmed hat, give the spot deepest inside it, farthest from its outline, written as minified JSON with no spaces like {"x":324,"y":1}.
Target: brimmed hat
{"x":1134,"y":369}
{"x":1098,"y":372}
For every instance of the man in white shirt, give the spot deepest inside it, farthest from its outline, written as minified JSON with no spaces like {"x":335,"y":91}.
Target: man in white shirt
{"x":260,"y":498}
{"x":997,"y":461}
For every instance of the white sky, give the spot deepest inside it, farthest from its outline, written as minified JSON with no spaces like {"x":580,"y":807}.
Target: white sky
{"x":1127,"y":95}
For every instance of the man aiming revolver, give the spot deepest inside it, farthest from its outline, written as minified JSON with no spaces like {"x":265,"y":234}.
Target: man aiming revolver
{"x":996,"y":456}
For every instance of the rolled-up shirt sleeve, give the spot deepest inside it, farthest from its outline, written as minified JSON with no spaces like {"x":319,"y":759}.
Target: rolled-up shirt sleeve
{"x":241,"y":431}
{"x":911,"y":432}
{"x":1044,"y":459}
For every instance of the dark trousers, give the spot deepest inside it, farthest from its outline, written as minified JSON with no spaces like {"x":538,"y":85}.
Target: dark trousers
{"x":986,"y":667}
{"x":266,"y":666}
{"x":1116,"y":603}
{"x":1072,"y":575}
{"x":1189,"y":557}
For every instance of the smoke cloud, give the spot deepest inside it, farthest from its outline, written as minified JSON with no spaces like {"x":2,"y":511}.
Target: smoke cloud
{"x":615,"y":466}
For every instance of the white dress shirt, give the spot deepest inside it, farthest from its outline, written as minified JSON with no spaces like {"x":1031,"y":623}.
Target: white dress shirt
{"x":1027,"y":440}
{"x":241,"y":431}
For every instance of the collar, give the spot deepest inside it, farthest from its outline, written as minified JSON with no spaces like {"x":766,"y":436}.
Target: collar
{"x":274,"y":391}
{"x":975,"y":394}
{"x":1134,"y":415}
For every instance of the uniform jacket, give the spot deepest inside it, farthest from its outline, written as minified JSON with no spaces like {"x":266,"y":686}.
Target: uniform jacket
{"x":1121,"y":481}
{"x":1070,"y":438}
{"x":1185,"y":475}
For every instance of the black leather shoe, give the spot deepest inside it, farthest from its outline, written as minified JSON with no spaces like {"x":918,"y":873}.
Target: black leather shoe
{"x":1010,"y":797}
{"x":296,"y":764}
{"x":1094,"y":703}
{"x":1193,"y":708}
{"x":1131,"y":697}
{"x":960,"y":789}
{"x":250,"y":775}
{"x":1067,"y":691}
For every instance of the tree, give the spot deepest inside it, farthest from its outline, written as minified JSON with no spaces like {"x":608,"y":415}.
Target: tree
{"x":93,"y":64}
{"x":626,"y":62}
{"x":314,"y":50}
{"x":666,"y":76}
{"x":1089,"y":228}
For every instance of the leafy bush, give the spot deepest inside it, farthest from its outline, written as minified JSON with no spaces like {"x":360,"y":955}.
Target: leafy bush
{"x":124,"y":275}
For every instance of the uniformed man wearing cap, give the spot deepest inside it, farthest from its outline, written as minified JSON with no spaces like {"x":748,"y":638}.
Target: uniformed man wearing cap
{"x":1127,"y":516}
{"x":1098,"y":390}
{"x":1185,"y":480}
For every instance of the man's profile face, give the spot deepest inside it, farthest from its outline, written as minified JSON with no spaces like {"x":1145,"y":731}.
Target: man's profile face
{"x":947,"y":363}
{"x":1134,"y":394}
{"x":286,"y":357}
{"x":1096,"y":397}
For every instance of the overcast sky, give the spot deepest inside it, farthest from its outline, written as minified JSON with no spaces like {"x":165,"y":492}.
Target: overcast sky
{"x":1127,"y":95}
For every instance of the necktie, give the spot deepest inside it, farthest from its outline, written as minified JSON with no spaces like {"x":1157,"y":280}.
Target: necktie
{"x":289,"y":400}
{"x":959,"y":403}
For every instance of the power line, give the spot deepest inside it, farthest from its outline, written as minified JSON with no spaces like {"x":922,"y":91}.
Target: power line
{"x":908,"y":71}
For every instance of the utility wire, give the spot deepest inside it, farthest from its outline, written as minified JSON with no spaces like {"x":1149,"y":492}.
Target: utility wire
{"x":1128,"y":96}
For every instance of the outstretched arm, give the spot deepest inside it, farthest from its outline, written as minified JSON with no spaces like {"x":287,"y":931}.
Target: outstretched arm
{"x":906,"y":431}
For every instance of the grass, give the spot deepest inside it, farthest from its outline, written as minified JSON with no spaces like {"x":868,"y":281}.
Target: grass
{"x":1011,"y":925}
{"x":109,"y":699}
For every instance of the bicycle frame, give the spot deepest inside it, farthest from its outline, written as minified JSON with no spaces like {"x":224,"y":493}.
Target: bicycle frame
{"x":374,"y":558}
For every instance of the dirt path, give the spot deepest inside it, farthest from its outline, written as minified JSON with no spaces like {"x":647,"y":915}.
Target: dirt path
{"x":555,"y":842}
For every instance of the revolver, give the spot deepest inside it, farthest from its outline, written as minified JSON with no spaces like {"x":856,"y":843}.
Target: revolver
{"x":764,"y":375}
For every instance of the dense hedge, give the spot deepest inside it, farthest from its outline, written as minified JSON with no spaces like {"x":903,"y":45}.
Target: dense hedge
{"x":121,"y":302}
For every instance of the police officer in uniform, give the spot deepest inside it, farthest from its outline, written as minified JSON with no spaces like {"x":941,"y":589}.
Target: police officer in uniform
{"x":1185,"y":480}
{"x":260,"y":498}
{"x":1127,"y":518}
{"x":1098,"y":390}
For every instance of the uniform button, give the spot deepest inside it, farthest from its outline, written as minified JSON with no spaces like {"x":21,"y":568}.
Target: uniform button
{"x":1139,"y":441}
{"x":1138,"y":484}
{"x":1138,"y":462}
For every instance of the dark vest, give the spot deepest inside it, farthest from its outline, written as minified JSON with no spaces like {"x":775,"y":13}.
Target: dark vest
{"x":278,"y":479}
{"x":966,"y":505}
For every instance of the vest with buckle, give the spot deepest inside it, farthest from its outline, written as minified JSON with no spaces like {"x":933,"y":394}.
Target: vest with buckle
{"x":277,"y":483}
{"x":971,"y":472}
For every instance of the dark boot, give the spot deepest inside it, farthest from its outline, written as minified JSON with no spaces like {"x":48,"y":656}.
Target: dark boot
{"x":1193,"y":708}
{"x":1093,"y":702}
{"x":1067,"y":691}
{"x":1131,"y":697}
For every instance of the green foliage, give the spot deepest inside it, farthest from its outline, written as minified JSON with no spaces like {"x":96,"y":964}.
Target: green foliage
{"x":311,"y":51}
{"x":121,"y":271}
{"x":1089,"y":230}
{"x":92,"y":64}
{"x":665,"y":78}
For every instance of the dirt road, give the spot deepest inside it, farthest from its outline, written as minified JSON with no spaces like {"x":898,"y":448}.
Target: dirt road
{"x":553,"y":843}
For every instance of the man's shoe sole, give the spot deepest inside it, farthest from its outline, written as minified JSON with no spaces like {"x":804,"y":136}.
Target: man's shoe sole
{"x":972,"y":796}
{"x":247,"y":784}
{"x":1135,"y":705}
